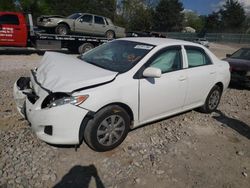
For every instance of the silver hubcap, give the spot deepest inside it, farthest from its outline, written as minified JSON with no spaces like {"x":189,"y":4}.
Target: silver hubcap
{"x":62,"y":30}
{"x":110,"y":130}
{"x":214,"y":99}
{"x":110,"y":35}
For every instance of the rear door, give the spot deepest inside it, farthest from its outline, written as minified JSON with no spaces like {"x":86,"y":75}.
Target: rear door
{"x":13,"y":30}
{"x":100,"y":26}
{"x":201,"y":75}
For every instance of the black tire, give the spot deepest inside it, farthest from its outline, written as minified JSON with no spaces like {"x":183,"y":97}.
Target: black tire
{"x":212,"y":100}
{"x":110,"y":34}
{"x":100,"y":125}
{"x":62,"y":29}
{"x":85,"y":47}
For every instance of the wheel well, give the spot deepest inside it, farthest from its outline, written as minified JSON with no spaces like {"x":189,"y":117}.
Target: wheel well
{"x":125,"y":107}
{"x":220,"y":85}
{"x":64,"y":23}
{"x":91,"y":114}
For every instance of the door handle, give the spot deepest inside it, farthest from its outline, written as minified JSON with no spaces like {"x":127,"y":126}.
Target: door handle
{"x":212,"y":72}
{"x":182,"y":78}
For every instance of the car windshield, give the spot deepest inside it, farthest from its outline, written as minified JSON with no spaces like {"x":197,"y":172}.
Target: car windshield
{"x":119,"y":56}
{"x":242,"y":53}
{"x":74,"y":16}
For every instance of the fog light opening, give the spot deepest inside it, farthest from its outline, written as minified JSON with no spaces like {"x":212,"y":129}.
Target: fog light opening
{"x":48,"y":130}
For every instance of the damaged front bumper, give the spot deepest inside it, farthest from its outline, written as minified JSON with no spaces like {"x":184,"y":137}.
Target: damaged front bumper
{"x":57,"y":125}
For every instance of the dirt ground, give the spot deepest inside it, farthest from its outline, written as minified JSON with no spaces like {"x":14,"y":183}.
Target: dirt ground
{"x":188,"y":150}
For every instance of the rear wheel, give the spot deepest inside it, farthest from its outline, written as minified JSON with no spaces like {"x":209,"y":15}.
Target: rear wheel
{"x":110,"y":34}
{"x":213,"y":100}
{"x":85,"y":47}
{"x":107,"y":129}
{"x":62,"y":29}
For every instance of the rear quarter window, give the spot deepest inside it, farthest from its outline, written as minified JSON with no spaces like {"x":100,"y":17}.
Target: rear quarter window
{"x":99,"y":20}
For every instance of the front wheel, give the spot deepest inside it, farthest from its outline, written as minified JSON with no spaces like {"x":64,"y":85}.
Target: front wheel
{"x":213,"y":100}
{"x":62,"y":29}
{"x":107,"y":129}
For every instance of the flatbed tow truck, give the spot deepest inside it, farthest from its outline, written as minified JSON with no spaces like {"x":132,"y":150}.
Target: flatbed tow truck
{"x":18,"y":31}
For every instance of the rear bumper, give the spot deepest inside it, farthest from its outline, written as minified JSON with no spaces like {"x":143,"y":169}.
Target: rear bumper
{"x":240,"y":79}
{"x":57,"y":125}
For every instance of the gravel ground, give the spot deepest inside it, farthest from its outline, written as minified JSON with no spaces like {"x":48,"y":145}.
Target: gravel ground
{"x":187,"y":150}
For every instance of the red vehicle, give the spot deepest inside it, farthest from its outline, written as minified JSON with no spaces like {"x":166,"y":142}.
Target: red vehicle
{"x":16,"y":30}
{"x":13,"y":29}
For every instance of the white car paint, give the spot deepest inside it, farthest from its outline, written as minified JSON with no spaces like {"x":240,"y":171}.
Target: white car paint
{"x":54,"y":74}
{"x":148,"y":98}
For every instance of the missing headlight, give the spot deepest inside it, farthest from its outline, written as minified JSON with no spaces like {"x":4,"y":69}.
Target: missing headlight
{"x":52,"y":97}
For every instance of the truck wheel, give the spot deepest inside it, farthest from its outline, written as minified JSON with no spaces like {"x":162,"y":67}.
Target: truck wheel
{"x":85,"y":47}
{"x":110,"y":34}
{"x":107,"y":129}
{"x":62,"y":29}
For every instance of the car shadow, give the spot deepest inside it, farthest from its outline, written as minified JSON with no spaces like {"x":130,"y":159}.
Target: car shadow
{"x":237,"y":125}
{"x":80,"y":177}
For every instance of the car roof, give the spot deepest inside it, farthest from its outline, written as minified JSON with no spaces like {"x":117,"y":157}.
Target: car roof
{"x":159,"y":41}
{"x":82,"y":13}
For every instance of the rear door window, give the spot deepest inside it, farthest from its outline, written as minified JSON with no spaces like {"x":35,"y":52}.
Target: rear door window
{"x":9,"y":19}
{"x":197,"y":57}
{"x":99,"y":20}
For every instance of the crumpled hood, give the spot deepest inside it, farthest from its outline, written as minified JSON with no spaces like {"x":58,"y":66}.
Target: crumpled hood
{"x":63,"y":73}
{"x":51,"y":16}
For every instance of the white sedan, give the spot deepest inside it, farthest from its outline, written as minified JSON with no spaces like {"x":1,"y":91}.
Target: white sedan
{"x":101,"y":95}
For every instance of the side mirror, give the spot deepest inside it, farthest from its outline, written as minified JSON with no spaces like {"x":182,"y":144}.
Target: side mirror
{"x":228,"y":55}
{"x":152,"y":72}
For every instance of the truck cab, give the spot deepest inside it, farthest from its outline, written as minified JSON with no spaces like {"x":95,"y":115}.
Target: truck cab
{"x":13,"y":29}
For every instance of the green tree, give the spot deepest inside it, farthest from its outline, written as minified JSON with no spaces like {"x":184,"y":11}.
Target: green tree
{"x":65,"y":8}
{"x":135,"y":14}
{"x":193,"y":20}
{"x":7,"y":5}
{"x":213,"y":22}
{"x":232,"y":16}
{"x":168,"y":15}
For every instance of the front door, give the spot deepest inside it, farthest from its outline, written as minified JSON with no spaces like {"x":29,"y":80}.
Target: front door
{"x":84,"y":24}
{"x":160,"y":97}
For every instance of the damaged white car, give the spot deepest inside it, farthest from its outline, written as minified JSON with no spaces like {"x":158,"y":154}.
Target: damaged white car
{"x":101,"y":95}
